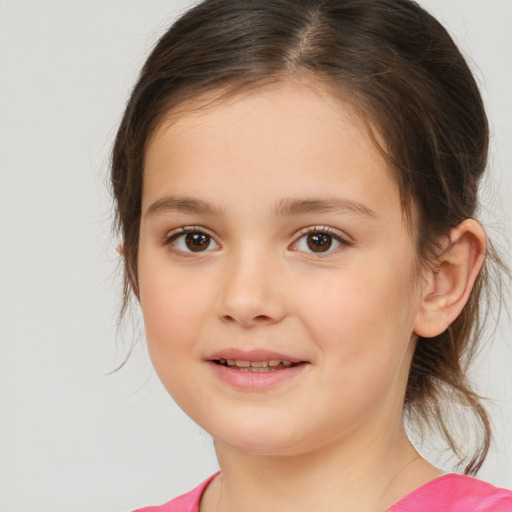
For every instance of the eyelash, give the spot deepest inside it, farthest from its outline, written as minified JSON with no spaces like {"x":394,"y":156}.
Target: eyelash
{"x":324,"y":230}
{"x":183,"y":230}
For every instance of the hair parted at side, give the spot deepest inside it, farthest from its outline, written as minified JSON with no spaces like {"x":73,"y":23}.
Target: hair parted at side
{"x":406,"y":77}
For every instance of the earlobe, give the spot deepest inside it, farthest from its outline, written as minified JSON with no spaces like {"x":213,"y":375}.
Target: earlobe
{"x":448,"y":284}
{"x":120,"y":249}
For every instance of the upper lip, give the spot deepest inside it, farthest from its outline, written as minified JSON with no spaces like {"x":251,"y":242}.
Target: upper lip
{"x":237,"y":354}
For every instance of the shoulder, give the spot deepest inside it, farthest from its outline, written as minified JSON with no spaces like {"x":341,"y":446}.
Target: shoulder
{"x":188,"y":502}
{"x":456,"y":493}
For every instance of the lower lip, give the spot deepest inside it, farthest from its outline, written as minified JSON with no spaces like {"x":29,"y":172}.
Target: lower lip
{"x":256,"y":381}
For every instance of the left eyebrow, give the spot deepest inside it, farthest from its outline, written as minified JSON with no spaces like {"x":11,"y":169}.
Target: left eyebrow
{"x":293,"y":206}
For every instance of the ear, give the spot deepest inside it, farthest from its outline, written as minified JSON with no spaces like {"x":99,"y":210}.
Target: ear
{"x":448,"y":283}
{"x":132,"y":275}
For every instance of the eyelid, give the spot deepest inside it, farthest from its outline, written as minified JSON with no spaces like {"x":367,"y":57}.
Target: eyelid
{"x":339,"y":236}
{"x":172,"y":235}
{"x":182,"y":230}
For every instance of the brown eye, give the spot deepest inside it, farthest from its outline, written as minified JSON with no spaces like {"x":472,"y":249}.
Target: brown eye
{"x":189,"y":240}
{"x":319,"y":242}
{"x":197,"y":242}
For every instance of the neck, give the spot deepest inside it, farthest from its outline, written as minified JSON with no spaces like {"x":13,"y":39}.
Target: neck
{"x":349,"y":476}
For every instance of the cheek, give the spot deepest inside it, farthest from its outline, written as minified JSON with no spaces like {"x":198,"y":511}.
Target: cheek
{"x":173,"y":307}
{"x":162,"y":314}
{"x":363,"y":317}
{"x":172,"y":312}
{"x":362,"y":327}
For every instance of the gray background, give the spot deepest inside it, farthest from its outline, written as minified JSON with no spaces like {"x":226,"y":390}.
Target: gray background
{"x":73,"y":438}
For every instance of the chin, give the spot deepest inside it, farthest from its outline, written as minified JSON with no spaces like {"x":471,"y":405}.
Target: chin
{"x":268,"y":441}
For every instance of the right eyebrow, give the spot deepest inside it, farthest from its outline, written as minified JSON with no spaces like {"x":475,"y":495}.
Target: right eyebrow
{"x":182,"y":204}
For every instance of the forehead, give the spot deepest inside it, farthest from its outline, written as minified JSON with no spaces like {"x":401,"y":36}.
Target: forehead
{"x":283,"y":139}
{"x":298,"y":99}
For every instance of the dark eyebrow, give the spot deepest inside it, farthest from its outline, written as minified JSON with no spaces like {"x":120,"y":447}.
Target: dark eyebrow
{"x":292,"y":206}
{"x":284,"y":208}
{"x":182,"y":204}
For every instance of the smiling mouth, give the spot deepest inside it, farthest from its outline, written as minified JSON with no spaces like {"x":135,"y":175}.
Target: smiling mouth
{"x":271,"y":365}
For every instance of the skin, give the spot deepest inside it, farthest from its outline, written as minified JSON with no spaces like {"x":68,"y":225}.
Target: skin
{"x":332,"y":436}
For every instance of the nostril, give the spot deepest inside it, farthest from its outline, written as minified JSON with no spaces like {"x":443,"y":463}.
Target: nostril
{"x":262,"y":318}
{"x":257,"y":319}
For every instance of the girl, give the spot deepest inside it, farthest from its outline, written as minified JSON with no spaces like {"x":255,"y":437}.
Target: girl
{"x":296,"y":184}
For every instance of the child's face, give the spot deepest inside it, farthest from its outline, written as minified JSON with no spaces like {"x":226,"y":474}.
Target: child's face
{"x":297,"y":250}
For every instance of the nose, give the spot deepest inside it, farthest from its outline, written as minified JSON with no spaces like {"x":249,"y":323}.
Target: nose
{"x":252,"y":291}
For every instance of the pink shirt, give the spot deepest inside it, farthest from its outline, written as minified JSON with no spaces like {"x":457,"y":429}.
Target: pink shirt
{"x":448,"y":493}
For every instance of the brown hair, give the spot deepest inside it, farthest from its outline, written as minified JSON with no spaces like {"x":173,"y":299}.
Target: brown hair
{"x":407,"y":78}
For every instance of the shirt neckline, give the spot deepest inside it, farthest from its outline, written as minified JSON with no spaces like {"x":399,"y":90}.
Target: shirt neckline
{"x":419,"y":490}
{"x":403,"y":501}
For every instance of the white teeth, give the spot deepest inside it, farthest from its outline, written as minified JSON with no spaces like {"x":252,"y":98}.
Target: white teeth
{"x":270,"y":365}
{"x":259,"y":364}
